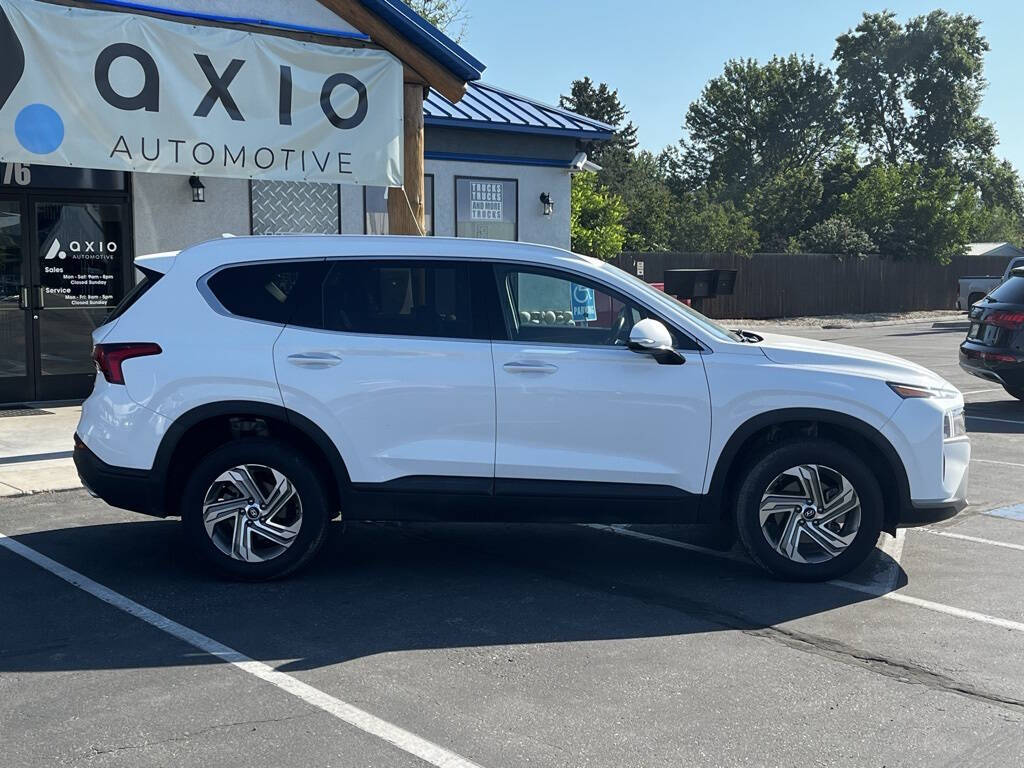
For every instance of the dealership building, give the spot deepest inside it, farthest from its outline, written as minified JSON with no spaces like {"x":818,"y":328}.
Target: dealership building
{"x":154,"y":126}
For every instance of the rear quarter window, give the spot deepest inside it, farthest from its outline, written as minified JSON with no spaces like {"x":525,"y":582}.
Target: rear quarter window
{"x":1010,"y":292}
{"x":269,"y":292}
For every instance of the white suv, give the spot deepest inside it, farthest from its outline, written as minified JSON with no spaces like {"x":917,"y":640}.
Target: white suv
{"x":259,"y":387}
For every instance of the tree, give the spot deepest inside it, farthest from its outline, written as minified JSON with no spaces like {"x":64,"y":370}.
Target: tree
{"x":872,"y":72}
{"x":447,"y":15}
{"x":755,"y":121}
{"x":703,"y":224}
{"x":913,"y":91}
{"x":910,"y":211}
{"x":834,"y":235}
{"x":595,"y":218}
{"x":649,"y":202}
{"x":602,"y":103}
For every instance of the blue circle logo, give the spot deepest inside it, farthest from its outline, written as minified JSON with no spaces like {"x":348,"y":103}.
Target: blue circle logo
{"x":39,"y":129}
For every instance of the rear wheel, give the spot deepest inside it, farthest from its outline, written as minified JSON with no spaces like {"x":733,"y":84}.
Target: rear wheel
{"x":1017,"y":392}
{"x":809,"y":510}
{"x":255,"y":510}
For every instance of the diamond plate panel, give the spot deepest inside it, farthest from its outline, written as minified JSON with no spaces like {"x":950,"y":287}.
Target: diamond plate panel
{"x":280,"y":207}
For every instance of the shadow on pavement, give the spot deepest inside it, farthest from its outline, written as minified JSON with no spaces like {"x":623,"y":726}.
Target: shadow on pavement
{"x":382,"y":588}
{"x":996,"y":417}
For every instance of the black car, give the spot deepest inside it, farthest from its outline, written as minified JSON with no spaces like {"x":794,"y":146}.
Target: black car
{"x":994,"y":347}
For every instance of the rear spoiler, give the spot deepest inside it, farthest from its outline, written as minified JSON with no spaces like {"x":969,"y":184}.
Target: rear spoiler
{"x":156,"y":265}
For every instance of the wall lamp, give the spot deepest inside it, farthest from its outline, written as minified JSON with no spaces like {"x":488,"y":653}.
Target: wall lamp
{"x":198,"y":189}
{"x":548,"y":203}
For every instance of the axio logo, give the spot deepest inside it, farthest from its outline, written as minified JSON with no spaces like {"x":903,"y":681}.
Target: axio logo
{"x":54,"y":251}
{"x":38,"y":127}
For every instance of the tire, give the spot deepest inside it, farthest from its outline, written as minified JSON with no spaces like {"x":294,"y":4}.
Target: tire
{"x":297,"y":526}
{"x":1017,"y":392}
{"x":838,"y":470}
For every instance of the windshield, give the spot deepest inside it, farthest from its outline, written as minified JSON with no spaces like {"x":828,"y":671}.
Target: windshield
{"x":706,"y":324}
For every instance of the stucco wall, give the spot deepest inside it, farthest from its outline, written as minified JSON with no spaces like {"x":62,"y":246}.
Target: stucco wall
{"x":534,"y":226}
{"x":167,"y":219}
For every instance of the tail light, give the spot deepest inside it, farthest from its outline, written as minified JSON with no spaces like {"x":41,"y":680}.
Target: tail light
{"x":1004,"y":319}
{"x":110,"y":357}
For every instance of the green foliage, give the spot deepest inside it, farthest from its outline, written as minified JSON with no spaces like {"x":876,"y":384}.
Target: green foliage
{"x":755,"y":121}
{"x":835,"y":235}
{"x":447,"y":15}
{"x":595,"y":218}
{"x":913,"y":91}
{"x":909,"y":211}
{"x":888,"y":154}
{"x":599,"y":102}
{"x":702,"y":224}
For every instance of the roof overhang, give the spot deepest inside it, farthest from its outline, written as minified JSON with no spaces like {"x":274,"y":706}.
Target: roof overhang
{"x":426,"y":51}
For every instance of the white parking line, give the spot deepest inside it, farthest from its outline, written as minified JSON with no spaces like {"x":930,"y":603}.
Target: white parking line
{"x":979,"y":391}
{"x":405,"y":740}
{"x":975,"y":539}
{"x":869,"y":589}
{"x":1003,"y":463}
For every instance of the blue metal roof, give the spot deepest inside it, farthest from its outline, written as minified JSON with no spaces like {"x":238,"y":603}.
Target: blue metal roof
{"x":485,"y":107}
{"x":427,"y":38}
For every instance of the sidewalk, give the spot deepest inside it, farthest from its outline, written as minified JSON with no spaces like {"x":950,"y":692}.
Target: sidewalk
{"x":35,"y":451}
{"x":941,"y":318}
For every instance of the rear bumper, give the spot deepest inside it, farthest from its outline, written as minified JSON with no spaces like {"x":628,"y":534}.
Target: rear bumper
{"x":973,"y":360}
{"x":131,"y":489}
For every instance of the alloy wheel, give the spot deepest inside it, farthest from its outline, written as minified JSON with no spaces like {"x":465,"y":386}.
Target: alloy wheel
{"x":252,"y":513}
{"x":810,"y":513}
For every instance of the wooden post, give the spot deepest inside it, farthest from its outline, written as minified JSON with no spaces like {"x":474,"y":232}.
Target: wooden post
{"x":402,"y":220}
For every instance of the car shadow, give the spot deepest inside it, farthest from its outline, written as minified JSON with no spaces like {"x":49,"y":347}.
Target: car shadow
{"x":382,"y":588}
{"x":995,"y":417}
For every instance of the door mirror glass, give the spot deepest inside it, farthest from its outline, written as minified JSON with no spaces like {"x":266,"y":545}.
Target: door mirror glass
{"x":651,"y":337}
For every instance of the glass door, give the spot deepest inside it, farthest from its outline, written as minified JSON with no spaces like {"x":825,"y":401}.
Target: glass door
{"x":79,"y":276}
{"x":16,"y":379}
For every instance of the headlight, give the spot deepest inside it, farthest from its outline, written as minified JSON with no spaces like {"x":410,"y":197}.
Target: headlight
{"x":916,"y":390}
{"x":954,"y":424}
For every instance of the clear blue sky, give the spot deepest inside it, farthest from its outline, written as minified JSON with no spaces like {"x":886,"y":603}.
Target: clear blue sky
{"x":660,"y":53}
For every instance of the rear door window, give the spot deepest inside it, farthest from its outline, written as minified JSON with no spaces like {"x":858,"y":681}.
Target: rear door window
{"x":401,"y":298}
{"x":270,"y":291}
{"x":1010,"y":292}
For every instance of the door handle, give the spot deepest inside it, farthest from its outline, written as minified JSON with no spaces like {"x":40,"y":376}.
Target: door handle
{"x":530,"y":366}
{"x":39,"y":296}
{"x":314,"y":360}
{"x":23,"y":300}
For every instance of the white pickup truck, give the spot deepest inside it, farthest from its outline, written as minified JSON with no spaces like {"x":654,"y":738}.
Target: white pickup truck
{"x":974,"y":289}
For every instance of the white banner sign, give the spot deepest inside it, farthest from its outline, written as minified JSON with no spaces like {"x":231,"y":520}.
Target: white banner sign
{"x":99,"y":89}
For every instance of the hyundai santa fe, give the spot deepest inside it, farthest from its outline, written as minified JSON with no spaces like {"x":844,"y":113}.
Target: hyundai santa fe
{"x":260,"y":387}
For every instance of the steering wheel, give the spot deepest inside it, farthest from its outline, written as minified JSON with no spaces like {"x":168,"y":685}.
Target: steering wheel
{"x":619,"y":335}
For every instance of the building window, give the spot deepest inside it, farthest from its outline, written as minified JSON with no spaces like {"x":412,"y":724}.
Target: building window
{"x":487,"y":208}
{"x":375,"y":204}
{"x":282,"y":207}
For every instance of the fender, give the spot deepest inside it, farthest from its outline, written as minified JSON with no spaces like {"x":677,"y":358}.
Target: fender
{"x":181,"y":425}
{"x":717,"y":488}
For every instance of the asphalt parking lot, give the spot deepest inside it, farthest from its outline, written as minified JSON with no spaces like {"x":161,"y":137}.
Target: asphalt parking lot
{"x":523,"y":645}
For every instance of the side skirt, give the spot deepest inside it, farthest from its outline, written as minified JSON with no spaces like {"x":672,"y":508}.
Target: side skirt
{"x":483,"y":500}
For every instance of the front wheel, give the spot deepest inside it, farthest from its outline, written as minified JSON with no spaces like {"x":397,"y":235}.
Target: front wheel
{"x":809,"y":510}
{"x":254,"y":509}
{"x":1017,"y":392}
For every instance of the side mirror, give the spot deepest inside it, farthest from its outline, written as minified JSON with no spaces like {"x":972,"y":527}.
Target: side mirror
{"x":650,"y":337}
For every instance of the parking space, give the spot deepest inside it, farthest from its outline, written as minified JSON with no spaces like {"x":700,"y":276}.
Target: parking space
{"x":523,"y":645}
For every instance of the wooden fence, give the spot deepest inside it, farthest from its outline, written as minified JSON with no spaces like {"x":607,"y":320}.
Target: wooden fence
{"x":794,"y":284}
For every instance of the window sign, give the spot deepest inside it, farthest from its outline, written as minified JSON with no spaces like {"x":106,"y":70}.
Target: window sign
{"x":486,"y":208}
{"x":584,"y":305}
{"x":81,"y":247}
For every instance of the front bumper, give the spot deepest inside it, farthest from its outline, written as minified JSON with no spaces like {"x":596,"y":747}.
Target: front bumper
{"x":130,"y":489}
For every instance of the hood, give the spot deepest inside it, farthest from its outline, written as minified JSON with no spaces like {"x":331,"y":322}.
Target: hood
{"x":793,"y":350}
